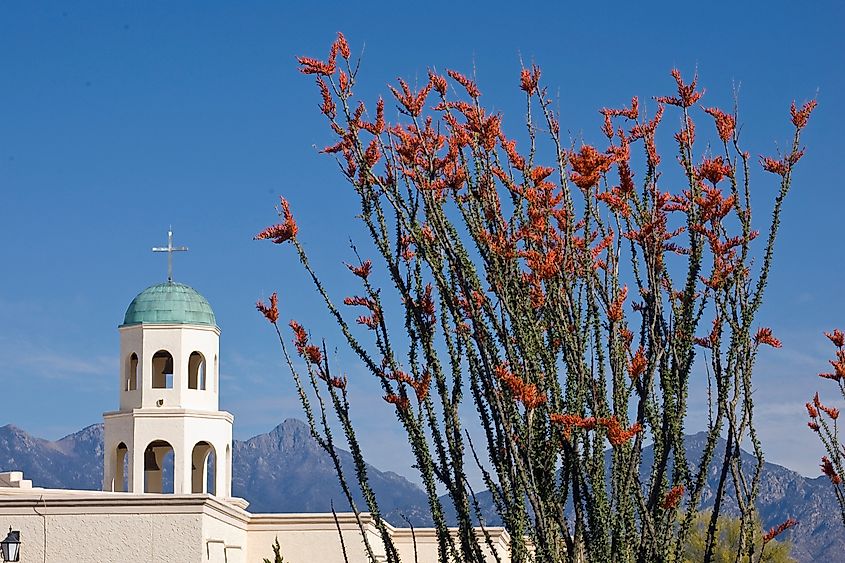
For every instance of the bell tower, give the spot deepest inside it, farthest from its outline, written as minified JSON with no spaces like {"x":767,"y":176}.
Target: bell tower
{"x":169,"y":413}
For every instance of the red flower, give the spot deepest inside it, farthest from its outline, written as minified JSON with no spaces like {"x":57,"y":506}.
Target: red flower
{"x":588,"y":165}
{"x":837,"y":337}
{"x":412,"y":103}
{"x":525,"y":393}
{"x":714,"y":169}
{"x":827,"y":469}
{"x":438,"y":82}
{"x":342,"y":45}
{"x":401,"y":403}
{"x":673,"y":497}
{"x":362,"y":271}
{"x":801,"y":116}
{"x":779,"y":529}
{"x":764,"y":336}
{"x":314,"y":66}
{"x":270,"y":312}
{"x":615,"y":311}
{"x":638,"y":364}
{"x":529,"y":79}
{"x":570,"y":421}
{"x":773,"y":166}
{"x":725,"y":124}
{"x":300,"y":336}
{"x":282,"y":232}
{"x":328,"y":106}
{"x":468,"y":84}
{"x":312,"y":354}
{"x":687,"y":95}
{"x":616,"y":434}
{"x":812,"y":411}
{"x":421,"y":386}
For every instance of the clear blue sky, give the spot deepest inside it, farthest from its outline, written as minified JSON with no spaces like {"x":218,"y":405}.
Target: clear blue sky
{"x":118,"y":119}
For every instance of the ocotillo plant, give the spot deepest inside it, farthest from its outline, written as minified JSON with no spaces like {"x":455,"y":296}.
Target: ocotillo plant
{"x":559,"y":293}
{"x":824,"y":421}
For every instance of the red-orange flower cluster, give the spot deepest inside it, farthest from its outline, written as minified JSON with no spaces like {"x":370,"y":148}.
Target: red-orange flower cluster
{"x":687,"y":95}
{"x":779,"y":529}
{"x":588,"y":165}
{"x":725,"y":123}
{"x":673,"y":497}
{"x":570,"y":421}
{"x":300,"y":339}
{"x":525,"y":393}
{"x":638,"y":364}
{"x":271,"y":311}
{"x":782,"y":166}
{"x":371,"y":321}
{"x":468,"y":84}
{"x":837,"y":337}
{"x":529,"y":79}
{"x":617,"y":435}
{"x":828,"y":469}
{"x":710,"y":340}
{"x":362,"y":271}
{"x":832,"y":412}
{"x":615,"y":312}
{"x":764,"y":336}
{"x":325,"y":68}
{"x":282,"y":232}
{"x":402,"y":403}
{"x":714,"y":169}
{"x":801,"y":116}
{"x":411,"y":102}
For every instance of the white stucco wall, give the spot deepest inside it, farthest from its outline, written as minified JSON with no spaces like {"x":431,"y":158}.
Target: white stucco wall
{"x":59,"y":526}
{"x":59,"y":530}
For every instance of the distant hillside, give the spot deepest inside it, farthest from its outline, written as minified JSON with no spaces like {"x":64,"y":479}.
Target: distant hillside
{"x":286,"y":471}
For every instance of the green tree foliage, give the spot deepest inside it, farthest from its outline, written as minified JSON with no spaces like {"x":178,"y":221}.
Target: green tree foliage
{"x":728,"y":541}
{"x":277,"y":553}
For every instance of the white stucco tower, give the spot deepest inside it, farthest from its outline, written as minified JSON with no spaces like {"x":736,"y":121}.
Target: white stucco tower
{"x":169,"y":398}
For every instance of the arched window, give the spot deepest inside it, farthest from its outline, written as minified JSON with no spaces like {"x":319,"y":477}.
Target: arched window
{"x":158,"y":467}
{"x":121,"y":468}
{"x":196,"y":371}
{"x":216,"y":377}
{"x":162,"y":370}
{"x":203,"y":460}
{"x":132,"y":372}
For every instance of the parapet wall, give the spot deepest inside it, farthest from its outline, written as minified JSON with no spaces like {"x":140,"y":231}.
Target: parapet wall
{"x":60,"y":526}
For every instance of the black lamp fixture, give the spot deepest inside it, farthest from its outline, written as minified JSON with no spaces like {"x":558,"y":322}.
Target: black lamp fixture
{"x":11,"y":546}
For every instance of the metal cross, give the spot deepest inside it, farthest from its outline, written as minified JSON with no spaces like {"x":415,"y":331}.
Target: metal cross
{"x":170,"y":249}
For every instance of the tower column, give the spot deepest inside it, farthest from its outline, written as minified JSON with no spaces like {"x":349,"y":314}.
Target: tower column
{"x":136,"y":470}
{"x":181,"y":470}
{"x":109,"y":469}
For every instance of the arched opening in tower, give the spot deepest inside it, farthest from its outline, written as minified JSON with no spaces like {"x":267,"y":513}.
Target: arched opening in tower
{"x":196,"y":371}
{"x":162,"y":370}
{"x":158,"y":467}
{"x":132,"y":372}
{"x":121,"y":468}
{"x":203,"y":468}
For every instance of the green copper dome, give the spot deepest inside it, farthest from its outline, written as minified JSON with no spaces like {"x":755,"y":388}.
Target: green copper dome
{"x":169,"y":303}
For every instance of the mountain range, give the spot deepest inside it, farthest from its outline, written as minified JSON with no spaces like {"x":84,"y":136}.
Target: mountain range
{"x":285,"y":470}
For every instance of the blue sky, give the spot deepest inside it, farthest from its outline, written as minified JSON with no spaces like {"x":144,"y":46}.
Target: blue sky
{"x":118,"y":119}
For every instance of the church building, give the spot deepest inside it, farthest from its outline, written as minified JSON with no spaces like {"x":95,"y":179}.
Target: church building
{"x":167,"y":466}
